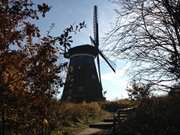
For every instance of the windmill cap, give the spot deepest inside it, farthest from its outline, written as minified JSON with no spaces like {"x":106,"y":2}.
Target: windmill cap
{"x":83,"y":50}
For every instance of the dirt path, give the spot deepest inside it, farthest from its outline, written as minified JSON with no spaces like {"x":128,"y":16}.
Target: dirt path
{"x":90,"y":131}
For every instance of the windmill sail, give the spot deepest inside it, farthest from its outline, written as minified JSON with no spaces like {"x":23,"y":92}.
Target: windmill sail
{"x":96,"y":43}
{"x":95,"y":23}
{"x":96,"y":40}
{"x":107,"y":61}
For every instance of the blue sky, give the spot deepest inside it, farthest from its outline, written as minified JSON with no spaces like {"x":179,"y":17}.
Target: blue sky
{"x":66,"y":12}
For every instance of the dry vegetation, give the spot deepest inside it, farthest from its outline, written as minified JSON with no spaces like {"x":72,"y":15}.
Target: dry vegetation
{"x":62,"y":119}
{"x":73,"y":117}
{"x":154,"y":116}
{"x":70,"y":118}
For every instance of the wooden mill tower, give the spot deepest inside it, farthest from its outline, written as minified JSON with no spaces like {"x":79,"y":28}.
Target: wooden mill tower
{"x":83,"y":82}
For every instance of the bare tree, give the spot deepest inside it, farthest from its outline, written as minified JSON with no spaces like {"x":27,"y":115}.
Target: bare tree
{"x":147,"y":32}
{"x":139,"y":91}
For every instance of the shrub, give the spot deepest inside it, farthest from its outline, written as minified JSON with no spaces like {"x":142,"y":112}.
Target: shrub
{"x":157,"y":115}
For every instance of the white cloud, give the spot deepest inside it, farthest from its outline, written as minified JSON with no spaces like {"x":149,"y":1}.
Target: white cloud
{"x":121,"y":72}
{"x":115,"y":83}
{"x":111,"y":75}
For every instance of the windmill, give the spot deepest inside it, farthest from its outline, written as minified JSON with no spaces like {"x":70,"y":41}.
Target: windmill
{"x":83,"y":82}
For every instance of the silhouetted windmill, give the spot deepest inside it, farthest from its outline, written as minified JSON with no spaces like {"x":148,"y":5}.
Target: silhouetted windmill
{"x":82,"y":81}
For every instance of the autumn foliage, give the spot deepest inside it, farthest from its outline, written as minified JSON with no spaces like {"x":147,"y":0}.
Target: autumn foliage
{"x":30,"y":68}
